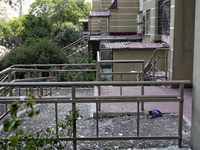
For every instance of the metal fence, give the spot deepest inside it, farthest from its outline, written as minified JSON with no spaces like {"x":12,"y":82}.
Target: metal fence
{"x":106,"y":99}
{"x":9,"y":76}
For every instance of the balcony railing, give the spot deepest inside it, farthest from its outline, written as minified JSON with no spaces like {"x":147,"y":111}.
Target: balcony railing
{"x":105,"y":99}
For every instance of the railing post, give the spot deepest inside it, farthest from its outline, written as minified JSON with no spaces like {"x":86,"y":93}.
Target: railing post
{"x":121,"y":85}
{"x":154,"y":67}
{"x":50,"y":86}
{"x":181,"y":92}
{"x":98,"y":77}
{"x":29,"y":76}
{"x":166,"y":64}
{"x":9,"y":80}
{"x":138,"y":111}
{"x":41,"y":87}
{"x":142,"y":87}
{"x":97,"y":119}
{"x":74,"y":120}
{"x":56,"y":73}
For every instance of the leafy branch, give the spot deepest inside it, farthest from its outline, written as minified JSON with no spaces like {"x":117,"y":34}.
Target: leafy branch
{"x":45,"y":139}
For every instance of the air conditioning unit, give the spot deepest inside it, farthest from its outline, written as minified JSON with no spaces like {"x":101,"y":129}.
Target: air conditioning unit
{"x":140,"y":29}
{"x":140,"y":18}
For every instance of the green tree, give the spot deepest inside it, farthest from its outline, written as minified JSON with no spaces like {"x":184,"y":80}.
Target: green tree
{"x":61,"y":10}
{"x":35,"y":51}
{"x":37,"y":27}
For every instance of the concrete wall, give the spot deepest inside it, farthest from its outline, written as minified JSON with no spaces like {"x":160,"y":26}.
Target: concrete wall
{"x":195,"y":127}
{"x":99,"y":5}
{"x":182,"y":40}
{"x":151,"y":5}
{"x":124,"y":18}
{"x":125,"y":54}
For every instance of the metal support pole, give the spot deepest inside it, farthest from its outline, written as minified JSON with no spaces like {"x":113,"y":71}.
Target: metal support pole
{"x":74,"y":120}
{"x":50,"y":86}
{"x":181,"y":88}
{"x":29,"y":76}
{"x":56,"y":73}
{"x":142,"y":87}
{"x":166,"y":63}
{"x":154,"y":67}
{"x":56,"y":115}
{"x":121,"y":86}
{"x":138,"y":111}
{"x":19,"y":91}
{"x":41,"y":87}
{"x":14,"y":76}
{"x":9,"y":80}
{"x":97,"y":119}
{"x":98,"y":77}
{"x":26,"y":91}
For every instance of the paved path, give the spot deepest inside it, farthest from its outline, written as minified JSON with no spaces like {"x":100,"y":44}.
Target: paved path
{"x":164,"y":107}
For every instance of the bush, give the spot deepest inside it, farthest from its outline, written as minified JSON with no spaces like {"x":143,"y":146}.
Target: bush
{"x":35,"y":51}
{"x":66,"y":36}
{"x":83,"y":57}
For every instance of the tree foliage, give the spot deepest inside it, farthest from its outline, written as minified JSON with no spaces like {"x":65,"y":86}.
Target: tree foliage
{"x":67,"y":36}
{"x":61,"y":10}
{"x":35,"y":51}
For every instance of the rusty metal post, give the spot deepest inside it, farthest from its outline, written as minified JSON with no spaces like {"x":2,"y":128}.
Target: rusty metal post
{"x":121,"y":86}
{"x":166,"y":63}
{"x":98,"y":77}
{"x":181,"y":95}
{"x":142,"y":87}
{"x":154,"y":67}
{"x":41,"y":87}
{"x":9,"y":80}
{"x":74,"y":120}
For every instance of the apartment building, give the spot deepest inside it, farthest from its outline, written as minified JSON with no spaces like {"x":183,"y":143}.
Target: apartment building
{"x":169,"y":21}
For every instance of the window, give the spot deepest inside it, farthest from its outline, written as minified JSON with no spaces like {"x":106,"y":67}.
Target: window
{"x":148,"y":17}
{"x":164,"y":17}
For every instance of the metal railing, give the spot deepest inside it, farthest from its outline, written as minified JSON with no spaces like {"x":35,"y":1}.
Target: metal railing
{"x":150,"y":67}
{"x":154,"y":60}
{"x":99,"y":73}
{"x":83,"y":41}
{"x":106,"y":99}
{"x":9,"y":76}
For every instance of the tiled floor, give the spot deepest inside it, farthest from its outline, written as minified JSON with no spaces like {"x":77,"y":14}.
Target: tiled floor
{"x":164,"y":107}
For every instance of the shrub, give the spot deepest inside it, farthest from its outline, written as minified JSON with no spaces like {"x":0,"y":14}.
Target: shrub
{"x":35,"y":51}
{"x":83,"y":57}
{"x":66,"y":36}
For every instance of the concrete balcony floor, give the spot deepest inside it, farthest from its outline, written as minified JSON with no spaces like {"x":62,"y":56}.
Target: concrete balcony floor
{"x":164,"y":107}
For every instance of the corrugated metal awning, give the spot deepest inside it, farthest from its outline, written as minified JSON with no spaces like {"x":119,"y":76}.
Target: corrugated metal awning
{"x":124,"y":37}
{"x":83,"y":20}
{"x":99,"y":14}
{"x":135,"y":45}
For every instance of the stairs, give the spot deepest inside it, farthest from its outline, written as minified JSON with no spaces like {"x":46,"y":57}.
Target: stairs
{"x":77,"y":45}
{"x":151,"y":73}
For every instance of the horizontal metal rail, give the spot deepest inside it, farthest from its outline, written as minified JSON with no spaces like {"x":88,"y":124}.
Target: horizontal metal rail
{"x":121,"y":61}
{"x":123,"y":138}
{"x":42,"y":70}
{"x":109,"y":100}
{"x":98,"y":83}
{"x":45,"y":65}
